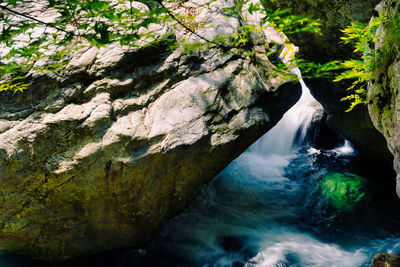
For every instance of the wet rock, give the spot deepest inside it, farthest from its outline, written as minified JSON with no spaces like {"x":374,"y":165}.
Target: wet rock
{"x":319,"y":135}
{"x":355,"y":126}
{"x":386,"y":260}
{"x":335,"y":15}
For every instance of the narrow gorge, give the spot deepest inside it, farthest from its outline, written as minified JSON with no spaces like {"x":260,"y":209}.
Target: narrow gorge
{"x":148,"y":155}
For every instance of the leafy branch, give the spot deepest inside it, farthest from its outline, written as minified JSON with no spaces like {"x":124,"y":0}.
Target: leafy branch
{"x":101,"y":22}
{"x":363,"y":36}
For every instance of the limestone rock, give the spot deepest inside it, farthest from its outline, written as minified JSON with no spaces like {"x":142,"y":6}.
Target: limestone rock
{"x":384,"y":87}
{"x":101,"y":156}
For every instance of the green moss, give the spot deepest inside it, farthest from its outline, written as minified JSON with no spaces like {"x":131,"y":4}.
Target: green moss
{"x":344,"y":191}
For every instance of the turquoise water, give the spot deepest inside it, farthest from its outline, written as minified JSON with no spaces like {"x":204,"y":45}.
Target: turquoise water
{"x":269,"y":211}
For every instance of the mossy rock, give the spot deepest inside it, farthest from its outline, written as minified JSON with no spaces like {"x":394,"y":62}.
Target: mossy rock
{"x":344,"y":191}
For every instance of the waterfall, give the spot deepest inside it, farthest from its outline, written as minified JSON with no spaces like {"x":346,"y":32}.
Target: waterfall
{"x":279,"y":140}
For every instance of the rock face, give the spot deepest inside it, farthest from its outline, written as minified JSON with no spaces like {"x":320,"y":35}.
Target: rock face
{"x":384,"y":87}
{"x":355,"y":126}
{"x":102,"y":155}
{"x":319,"y":134}
{"x":334,"y":16}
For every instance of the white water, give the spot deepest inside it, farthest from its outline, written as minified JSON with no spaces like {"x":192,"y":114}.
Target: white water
{"x":266,"y":160}
{"x":308,"y":252}
{"x":265,"y":210}
{"x":347,"y":148}
{"x":279,"y":140}
{"x":267,"y":157}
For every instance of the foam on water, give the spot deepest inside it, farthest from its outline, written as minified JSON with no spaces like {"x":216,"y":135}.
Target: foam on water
{"x":256,"y":212}
{"x":264,"y":168}
{"x":346,"y":149}
{"x":303,"y":250}
{"x":248,"y":199}
{"x":279,"y":140}
{"x":265,"y":162}
{"x":312,"y":151}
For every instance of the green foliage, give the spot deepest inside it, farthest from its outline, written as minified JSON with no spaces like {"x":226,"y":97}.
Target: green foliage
{"x":238,"y":42}
{"x":283,"y":21}
{"x":48,"y":45}
{"x":311,"y":70}
{"x":390,"y":47}
{"x":280,"y":19}
{"x":359,"y":70}
{"x":364,"y":38}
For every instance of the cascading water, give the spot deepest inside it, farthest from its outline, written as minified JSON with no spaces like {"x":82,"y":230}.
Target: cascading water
{"x":278,"y":204}
{"x":285,"y":246}
{"x":345,"y":149}
{"x":279,"y":140}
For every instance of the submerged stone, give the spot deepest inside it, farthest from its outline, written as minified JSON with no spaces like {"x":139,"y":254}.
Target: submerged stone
{"x":344,"y":191}
{"x":232,"y":243}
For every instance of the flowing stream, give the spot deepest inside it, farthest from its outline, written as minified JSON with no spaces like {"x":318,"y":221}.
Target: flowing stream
{"x":278,"y":204}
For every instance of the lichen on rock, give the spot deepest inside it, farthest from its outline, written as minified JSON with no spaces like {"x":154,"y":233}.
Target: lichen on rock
{"x":383,"y":88}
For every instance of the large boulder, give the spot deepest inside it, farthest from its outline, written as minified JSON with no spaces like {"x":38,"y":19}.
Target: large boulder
{"x":384,"y":87}
{"x":101,"y":155}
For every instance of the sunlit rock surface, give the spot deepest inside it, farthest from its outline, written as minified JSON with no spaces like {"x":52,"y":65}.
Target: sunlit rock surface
{"x":102,"y":155}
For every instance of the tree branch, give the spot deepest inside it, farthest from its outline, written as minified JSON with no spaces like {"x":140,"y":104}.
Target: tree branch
{"x":73,"y":15}
{"x":34,"y":19}
{"x":187,"y":28}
